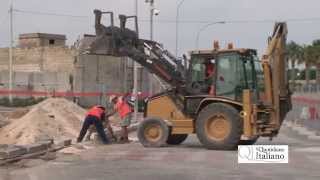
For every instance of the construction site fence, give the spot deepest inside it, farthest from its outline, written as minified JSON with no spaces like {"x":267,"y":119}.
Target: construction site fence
{"x":305,"y":112}
{"x":84,"y":99}
{"x":310,"y":88}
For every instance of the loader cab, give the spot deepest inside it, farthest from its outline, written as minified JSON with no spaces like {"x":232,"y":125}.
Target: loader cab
{"x":224,"y":73}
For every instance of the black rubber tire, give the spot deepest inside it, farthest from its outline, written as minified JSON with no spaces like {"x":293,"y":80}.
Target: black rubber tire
{"x":248,"y":142}
{"x":153,"y":121}
{"x":176,"y":139}
{"x":231,"y":141}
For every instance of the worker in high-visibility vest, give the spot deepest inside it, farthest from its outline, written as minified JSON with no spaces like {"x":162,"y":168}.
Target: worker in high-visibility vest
{"x":96,"y":116}
{"x":125,"y":112}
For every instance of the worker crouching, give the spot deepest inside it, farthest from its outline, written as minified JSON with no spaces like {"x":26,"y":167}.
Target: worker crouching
{"x":96,"y":116}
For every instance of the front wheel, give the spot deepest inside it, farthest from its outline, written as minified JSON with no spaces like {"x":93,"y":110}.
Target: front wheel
{"x":219,"y":126}
{"x":153,"y":132}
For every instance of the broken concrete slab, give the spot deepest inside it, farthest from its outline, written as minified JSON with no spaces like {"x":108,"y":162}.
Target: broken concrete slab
{"x":44,"y":138}
{"x":65,"y":142}
{"x":48,"y":144}
{"x":12,"y":152}
{"x":32,"y":148}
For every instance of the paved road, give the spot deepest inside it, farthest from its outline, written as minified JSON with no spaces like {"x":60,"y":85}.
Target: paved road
{"x":188,"y":161}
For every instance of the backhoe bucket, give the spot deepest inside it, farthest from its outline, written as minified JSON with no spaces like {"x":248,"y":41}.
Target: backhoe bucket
{"x":109,"y":40}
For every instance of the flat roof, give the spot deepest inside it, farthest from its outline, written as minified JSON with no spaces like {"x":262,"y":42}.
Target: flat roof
{"x":42,"y":36}
{"x":212,"y":51}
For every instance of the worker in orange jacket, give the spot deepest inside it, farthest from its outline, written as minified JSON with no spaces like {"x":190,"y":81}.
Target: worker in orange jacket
{"x":95,"y":116}
{"x":125,"y":112}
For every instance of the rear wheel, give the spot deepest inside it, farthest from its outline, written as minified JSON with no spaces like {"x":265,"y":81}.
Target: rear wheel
{"x":175,"y":139}
{"x":153,"y":132}
{"x":219,"y":126}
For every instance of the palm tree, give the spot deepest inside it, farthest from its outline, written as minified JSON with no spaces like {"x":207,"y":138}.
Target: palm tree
{"x":308,"y":60}
{"x":311,"y":57}
{"x":316,"y":58}
{"x":295,"y":56}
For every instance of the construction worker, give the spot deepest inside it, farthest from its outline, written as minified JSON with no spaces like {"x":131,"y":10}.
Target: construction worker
{"x":125,"y":112}
{"x":95,"y":116}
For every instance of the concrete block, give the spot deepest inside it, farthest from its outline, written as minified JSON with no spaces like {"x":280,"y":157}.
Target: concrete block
{"x":32,"y":148}
{"x":12,"y":152}
{"x":66,"y":142}
{"x":44,"y":139}
{"x":48,"y":144}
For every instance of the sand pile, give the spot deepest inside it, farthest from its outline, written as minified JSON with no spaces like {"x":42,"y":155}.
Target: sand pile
{"x":55,"y":118}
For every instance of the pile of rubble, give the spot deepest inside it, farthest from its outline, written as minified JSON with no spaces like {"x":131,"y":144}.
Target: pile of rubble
{"x":46,"y":127}
{"x":55,"y":118}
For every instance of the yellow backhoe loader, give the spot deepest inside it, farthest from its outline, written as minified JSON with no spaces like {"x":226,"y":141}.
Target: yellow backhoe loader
{"x":225,"y":96}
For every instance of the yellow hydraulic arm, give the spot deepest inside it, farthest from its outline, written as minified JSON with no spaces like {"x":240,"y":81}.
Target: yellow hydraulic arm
{"x":275,"y":79}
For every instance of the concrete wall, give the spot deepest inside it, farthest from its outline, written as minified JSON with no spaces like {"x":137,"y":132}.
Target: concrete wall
{"x":38,"y":69}
{"x":52,"y":59}
{"x":100,"y":74}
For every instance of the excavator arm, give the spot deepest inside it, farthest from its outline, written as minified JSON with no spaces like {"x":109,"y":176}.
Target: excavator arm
{"x":121,"y":41}
{"x":278,"y":95}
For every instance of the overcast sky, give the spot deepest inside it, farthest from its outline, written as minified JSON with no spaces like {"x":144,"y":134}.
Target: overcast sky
{"x":247,"y":35}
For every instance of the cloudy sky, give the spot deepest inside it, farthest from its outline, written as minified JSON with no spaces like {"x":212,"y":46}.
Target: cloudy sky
{"x":249,"y":34}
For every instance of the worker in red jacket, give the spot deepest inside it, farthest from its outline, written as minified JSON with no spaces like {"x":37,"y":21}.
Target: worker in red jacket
{"x":95,"y":116}
{"x":125,"y":112}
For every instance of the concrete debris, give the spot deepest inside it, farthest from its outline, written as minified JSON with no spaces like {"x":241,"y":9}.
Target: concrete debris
{"x":3,"y":121}
{"x":12,"y":152}
{"x":54,"y":118}
{"x":32,"y":148}
{"x":66,"y":142}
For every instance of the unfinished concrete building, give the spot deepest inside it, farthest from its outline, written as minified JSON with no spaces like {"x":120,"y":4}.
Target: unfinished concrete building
{"x":32,"y":40}
{"x":96,"y":73}
{"x":42,"y":62}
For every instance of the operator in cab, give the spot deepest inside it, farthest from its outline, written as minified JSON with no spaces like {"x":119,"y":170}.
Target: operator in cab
{"x":209,"y":75}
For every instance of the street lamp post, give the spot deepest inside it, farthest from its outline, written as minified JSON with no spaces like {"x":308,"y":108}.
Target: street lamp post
{"x":151,"y":38}
{"x":153,"y":12}
{"x":177,"y":26}
{"x":11,"y":53}
{"x":205,"y":27}
{"x":135,"y":75}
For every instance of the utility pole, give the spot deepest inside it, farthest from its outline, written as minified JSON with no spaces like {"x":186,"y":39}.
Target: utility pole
{"x":135,"y":75}
{"x":10,"y":52}
{"x":150,"y":77}
{"x":151,"y":18}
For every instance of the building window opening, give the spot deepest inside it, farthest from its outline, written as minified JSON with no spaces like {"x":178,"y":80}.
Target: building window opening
{"x":51,"y":42}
